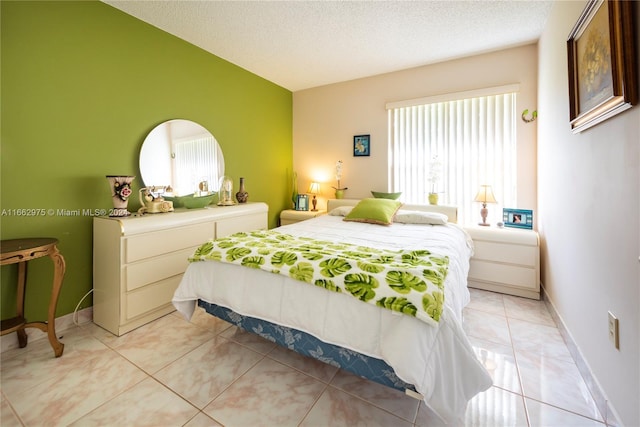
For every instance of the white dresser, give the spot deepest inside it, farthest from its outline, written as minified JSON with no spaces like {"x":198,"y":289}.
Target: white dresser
{"x":505,"y":260}
{"x":138,"y":261}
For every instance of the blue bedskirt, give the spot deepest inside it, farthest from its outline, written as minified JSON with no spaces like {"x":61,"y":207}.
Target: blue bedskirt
{"x":364,"y":366}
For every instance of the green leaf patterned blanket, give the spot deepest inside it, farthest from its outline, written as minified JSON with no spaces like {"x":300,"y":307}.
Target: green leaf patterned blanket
{"x":408,"y":282}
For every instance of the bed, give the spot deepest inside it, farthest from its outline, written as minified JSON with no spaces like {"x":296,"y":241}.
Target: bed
{"x":429,"y":356}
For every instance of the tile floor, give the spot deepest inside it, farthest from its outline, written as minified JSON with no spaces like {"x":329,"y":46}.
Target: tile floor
{"x":208,"y":373}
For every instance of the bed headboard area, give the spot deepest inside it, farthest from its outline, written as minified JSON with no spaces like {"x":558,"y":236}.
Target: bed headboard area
{"x":450,"y":211}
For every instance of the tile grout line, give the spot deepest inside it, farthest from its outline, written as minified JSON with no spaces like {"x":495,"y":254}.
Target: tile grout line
{"x":515,"y":358}
{"x":524,"y":396}
{"x":13,"y":410}
{"x":329,"y":385}
{"x":216,"y":336}
{"x":315,"y":402}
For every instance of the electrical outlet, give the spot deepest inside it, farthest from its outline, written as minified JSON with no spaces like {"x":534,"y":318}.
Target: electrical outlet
{"x":613,"y":330}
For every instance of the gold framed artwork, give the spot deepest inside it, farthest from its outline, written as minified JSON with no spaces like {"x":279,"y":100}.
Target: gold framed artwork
{"x":602,"y":66}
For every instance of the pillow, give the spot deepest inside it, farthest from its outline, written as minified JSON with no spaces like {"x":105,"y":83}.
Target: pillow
{"x":341,"y":210}
{"x":381,"y":195}
{"x":421,"y":217}
{"x":374,"y":211}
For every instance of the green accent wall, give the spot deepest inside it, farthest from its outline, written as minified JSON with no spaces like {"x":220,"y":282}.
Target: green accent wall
{"x":82,"y":84}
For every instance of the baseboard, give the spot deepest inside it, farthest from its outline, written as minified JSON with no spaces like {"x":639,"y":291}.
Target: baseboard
{"x":607,"y":411}
{"x":10,"y":341}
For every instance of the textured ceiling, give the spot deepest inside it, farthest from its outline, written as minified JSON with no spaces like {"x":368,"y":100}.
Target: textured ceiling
{"x":303,"y":44}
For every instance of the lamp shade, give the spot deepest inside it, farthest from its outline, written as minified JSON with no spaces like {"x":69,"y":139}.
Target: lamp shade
{"x":485,"y":195}
{"x":314,"y":188}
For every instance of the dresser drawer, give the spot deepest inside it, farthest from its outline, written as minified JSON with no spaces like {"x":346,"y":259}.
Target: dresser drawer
{"x":228,"y":226}
{"x":506,"y":253}
{"x":503,"y":273}
{"x":154,"y":269}
{"x":150,"y":297}
{"x":170,"y":240}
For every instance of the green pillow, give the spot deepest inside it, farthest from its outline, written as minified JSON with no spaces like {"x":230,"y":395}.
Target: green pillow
{"x":381,"y":195}
{"x":374,"y":211}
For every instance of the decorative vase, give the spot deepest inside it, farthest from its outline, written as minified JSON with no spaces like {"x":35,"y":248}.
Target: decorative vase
{"x":294,"y":192}
{"x":242,"y":195}
{"x":339,"y":194}
{"x":433,"y":198}
{"x":120,"y":192}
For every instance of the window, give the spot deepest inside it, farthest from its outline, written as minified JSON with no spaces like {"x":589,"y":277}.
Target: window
{"x":464,"y":140}
{"x":196,"y":162}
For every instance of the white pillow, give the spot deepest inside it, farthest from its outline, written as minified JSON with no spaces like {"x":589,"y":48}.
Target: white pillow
{"x":420,"y":217}
{"x":341,"y":211}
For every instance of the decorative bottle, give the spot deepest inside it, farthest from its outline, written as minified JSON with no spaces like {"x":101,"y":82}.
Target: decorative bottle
{"x":294,"y":194}
{"x":242,"y":195}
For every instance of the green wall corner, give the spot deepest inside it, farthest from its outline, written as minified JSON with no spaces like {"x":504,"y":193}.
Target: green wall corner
{"x":82,"y":84}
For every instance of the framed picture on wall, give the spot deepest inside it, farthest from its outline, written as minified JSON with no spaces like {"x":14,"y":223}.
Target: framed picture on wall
{"x":302,"y":202}
{"x":602,"y":67}
{"x":361,"y":145}
{"x":518,"y":218}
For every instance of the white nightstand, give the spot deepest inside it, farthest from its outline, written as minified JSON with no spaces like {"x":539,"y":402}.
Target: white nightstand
{"x":290,"y":216}
{"x":505,"y":260}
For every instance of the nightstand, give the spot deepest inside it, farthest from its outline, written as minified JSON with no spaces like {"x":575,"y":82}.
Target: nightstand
{"x":290,"y":216}
{"x":505,"y":260}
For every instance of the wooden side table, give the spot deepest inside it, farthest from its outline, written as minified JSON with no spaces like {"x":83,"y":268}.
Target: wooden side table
{"x":21,"y":251}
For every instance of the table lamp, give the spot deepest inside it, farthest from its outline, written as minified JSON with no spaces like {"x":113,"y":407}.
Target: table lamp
{"x":314,"y":189}
{"x":484,"y":196}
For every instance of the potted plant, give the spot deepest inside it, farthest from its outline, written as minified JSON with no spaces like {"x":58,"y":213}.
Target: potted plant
{"x":339,"y":190}
{"x":435,"y":171}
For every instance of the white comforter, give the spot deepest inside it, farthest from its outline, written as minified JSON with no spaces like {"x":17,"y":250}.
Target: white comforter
{"x":438,"y":361}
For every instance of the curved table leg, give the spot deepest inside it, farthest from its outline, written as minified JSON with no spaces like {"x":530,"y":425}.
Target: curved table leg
{"x":58,"y":275}
{"x":22,"y":281}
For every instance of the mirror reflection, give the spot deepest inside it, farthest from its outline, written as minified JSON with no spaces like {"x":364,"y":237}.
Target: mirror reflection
{"x":182,"y":155}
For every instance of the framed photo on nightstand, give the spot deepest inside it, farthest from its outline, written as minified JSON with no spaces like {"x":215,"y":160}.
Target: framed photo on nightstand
{"x":302,"y":203}
{"x":518,"y":218}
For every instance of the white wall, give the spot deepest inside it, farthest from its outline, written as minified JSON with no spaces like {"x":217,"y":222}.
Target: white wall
{"x":326,"y":118}
{"x":589,"y":220}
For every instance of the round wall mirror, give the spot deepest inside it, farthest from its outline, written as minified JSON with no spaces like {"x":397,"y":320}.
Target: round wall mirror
{"x":182,"y":155}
